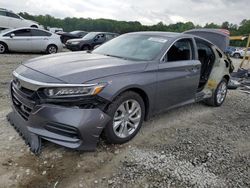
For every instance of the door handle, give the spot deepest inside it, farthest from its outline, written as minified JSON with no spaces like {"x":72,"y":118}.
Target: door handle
{"x":194,"y":69}
{"x":45,"y":39}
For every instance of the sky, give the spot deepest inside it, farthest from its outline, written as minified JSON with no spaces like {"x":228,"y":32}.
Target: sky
{"x":148,"y":12}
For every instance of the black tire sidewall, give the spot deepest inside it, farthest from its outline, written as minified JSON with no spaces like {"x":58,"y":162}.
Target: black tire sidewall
{"x":108,"y":130}
{"x":85,"y":48}
{"x":216,"y":91}
{"x":236,"y":55}
{"x":47,"y":50}
{"x":5,"y":48}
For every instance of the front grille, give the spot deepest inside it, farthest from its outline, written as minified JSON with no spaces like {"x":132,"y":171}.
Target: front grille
{"x":23,"y":99}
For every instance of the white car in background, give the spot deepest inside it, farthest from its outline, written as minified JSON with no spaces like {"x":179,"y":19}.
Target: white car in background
{"x":239,"y":53}
{"x":9,"y":19}
{"x":29,"y":40}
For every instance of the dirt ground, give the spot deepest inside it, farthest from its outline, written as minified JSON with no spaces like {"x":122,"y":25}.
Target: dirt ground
{"x":193,"y":146}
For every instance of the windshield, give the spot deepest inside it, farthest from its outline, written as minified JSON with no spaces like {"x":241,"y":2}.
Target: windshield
{"x":132,"y":46}
{"x":90,"y":35}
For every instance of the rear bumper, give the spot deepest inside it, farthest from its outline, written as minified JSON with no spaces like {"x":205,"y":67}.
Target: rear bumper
{"x":70,"y":127}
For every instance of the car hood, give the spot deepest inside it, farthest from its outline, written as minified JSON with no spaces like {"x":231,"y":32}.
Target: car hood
{"x":81,"y":67}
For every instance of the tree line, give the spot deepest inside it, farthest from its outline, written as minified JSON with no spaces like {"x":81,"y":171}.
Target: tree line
{"x":88,"y":24}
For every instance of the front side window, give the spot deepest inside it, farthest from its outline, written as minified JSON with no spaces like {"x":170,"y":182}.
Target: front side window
{"x":12,"y":15}
{"x":22,"y":33}
{"x":100,"y":38}
{"x":181,"y":50}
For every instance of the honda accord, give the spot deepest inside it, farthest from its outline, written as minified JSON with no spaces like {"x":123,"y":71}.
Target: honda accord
{"x":72,"y":98}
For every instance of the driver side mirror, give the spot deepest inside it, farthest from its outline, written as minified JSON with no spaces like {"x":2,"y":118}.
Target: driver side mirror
{"x":12,"y":35}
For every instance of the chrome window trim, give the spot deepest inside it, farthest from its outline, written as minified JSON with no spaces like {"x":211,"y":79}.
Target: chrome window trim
{"x":35,"y":85}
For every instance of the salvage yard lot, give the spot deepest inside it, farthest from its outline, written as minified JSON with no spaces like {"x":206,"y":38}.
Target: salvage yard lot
{"x":195,"y":145}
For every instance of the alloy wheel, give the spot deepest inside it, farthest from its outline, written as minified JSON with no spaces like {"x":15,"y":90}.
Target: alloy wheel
{"x":127,"y":118}
{"x":2,"y":48}
{"x":222,"y":91}
{"x":52,"y":50}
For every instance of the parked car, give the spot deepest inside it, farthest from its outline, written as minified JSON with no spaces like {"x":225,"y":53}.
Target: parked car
{"x":9,"y":19}
{"x":65,"y":36}
{"x":239,"y":53}
{"x":28,"y":39}
{"x":55,"y":29}
{"x":71,"y":98}
{"x":230,"y":49}
{"x":89,"y":41}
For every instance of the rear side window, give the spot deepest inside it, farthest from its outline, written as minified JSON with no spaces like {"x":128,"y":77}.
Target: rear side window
{"x":39,"y":33}
{"x":205,"y":52}
{"x":204,"y":49}
{"x":12,"y":15}
{"x":22,"y":33}
{"x":2,"y":13}
{"x":180,"y":51}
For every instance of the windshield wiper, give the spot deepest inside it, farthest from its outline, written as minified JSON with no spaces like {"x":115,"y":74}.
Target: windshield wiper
{"x":120,"y":57}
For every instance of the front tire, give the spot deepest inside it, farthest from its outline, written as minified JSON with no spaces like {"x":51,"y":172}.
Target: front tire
{"x":219,"y":95}
{"x":3,"y":48}
{"x":51,"y":49}
{"x":127,"y":113}
{"x":85,"y":48}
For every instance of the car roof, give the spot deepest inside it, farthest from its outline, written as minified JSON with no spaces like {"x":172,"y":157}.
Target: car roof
{"x":15,"y":29}
{"x":3,"y":9}
{"x":168,"y":35}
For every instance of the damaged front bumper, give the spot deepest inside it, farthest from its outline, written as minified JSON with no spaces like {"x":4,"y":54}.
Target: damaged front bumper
{"x":70,"y":127}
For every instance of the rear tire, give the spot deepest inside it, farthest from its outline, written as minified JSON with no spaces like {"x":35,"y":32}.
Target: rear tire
{"x":51,"y":49}
{"x":127,"y":113}
{"x":3,"y":48}
{"x":219,"y":95}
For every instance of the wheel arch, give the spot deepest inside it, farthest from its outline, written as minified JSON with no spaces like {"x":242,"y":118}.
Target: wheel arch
{"x":227,"y":77}
{"x":83,"y":45}
{"x":7,"y":47}
{"x":34,"y":26}
{"x":143,"y":94}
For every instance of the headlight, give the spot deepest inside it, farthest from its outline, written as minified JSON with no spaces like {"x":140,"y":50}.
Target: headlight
{"x":74,"y":43}
{"x":69,"y":91}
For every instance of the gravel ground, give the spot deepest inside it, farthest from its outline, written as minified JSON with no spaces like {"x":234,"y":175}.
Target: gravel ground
{"x":193,"y":146}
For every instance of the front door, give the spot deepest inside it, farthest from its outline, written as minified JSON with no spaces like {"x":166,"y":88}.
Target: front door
{"x":178,"y":75}
{"x":21,"y":41}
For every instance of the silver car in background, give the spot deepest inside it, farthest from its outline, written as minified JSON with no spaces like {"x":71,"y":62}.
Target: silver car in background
{"x":9,"y":19}
{"x":29,"y":40}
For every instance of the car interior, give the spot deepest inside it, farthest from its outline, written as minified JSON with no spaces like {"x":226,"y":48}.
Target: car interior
{"x":207,"y":58}
{"x":182,"y":50}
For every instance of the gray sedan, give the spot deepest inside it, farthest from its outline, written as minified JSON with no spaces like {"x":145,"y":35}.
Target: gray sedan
{"x":71,"y":98}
